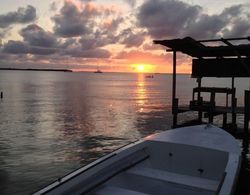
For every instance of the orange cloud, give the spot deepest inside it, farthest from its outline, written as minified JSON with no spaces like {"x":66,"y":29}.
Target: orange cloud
{"x":161,"y":62}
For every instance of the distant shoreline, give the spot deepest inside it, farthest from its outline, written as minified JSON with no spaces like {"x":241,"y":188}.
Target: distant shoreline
{"x":37,"y":69}
{"x":68,"y":70}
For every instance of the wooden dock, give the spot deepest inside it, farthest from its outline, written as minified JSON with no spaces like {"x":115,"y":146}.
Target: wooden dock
{"x":209,"y":109}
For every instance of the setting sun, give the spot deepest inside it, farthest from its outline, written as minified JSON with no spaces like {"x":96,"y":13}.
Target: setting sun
{"x":140,"y":68}
{"x":143,"y":68}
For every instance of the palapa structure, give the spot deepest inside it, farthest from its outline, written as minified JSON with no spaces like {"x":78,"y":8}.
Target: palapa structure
{"x":223,"y":59}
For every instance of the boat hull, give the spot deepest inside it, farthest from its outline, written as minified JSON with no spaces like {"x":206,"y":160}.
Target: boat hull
{"x":191,"y":160}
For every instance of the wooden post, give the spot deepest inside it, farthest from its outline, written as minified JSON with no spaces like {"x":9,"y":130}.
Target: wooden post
{"x":234,"y":103}
{"x":246,"y":112}
{"x":212,"y":106}
{"x":174,"y":108}
{"x":199,"y":100}
{"x":175,"y":112}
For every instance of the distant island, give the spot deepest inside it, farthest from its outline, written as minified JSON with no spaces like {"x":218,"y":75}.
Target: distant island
{"x":37,"y":69}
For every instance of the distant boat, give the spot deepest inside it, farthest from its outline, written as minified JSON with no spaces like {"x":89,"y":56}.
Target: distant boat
{"x":98,"y":71}
{"x":190,"y":160}
{"x":150,"y":76}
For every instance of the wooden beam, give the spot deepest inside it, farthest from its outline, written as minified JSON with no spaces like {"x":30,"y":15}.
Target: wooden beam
{"x":221,"y":39}
{"x":223,"y":67}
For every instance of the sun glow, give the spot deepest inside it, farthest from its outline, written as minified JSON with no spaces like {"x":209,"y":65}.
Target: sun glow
{"x":141,"y":68}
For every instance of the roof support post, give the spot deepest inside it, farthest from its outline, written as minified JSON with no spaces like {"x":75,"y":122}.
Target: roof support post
{"x":174,"y":100}
{"x":200,"y":100}
{"x":246,"y":113}
{"x":174,"y":77}
{"x":234,"y":104}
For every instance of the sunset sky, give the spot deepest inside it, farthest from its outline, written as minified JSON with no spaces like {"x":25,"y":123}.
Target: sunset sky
{"x":115,"y":36}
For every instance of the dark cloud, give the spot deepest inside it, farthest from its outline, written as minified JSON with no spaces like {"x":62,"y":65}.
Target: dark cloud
{"x":70,"y":23}
{"x":74,"y":20}
{"x":233,"y":11}
{"x":22,"y":15}
{"x":131,"y":39}
{"x":19,"y":47}
{"x":90,"y":53}
{"x":88,"y":46}
{"x":15,"y":47}
{"x":113,"y":25}
{"x":173,"y":18}
{"x":134,"y":40}
{"x":41,"y":50}
{"x":84,"y":48}
{"x":94,"y":53}
{"x":36,"y":41}
{"x":166,"y":18}
{"x":69,"y":42}
{"x":97,"y":40}
{"x":205,"y":27}
{"x":36,"y":36}
{"x":210,"y":26}
{"x":240,"y":28}
{"x":239,"y":21}
{"x":90,"y":43}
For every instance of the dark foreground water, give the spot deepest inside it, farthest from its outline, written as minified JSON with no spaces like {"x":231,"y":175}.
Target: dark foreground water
{"x":54,"y":122}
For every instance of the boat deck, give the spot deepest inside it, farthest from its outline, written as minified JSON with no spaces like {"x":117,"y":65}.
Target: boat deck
{"x":141,"y":180}
{"x":182,"y":169}
{"x":129,"y":185}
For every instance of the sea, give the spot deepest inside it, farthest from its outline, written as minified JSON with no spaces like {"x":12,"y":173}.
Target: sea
{"x":52,"y":123}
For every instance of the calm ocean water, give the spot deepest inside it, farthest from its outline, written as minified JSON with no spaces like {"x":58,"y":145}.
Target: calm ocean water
{"x":54,"y":122}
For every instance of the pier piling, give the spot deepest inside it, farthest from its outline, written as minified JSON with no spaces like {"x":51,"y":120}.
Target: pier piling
{"x":246,"y":112}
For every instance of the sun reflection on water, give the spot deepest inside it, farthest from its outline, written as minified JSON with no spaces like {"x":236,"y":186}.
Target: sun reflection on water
{"x":141,"y":93}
